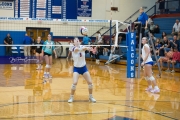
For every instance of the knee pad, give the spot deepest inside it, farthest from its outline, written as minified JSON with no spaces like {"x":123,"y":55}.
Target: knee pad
{"x":90,"y":86}
{"x":73,"y":87}
{"x":151,"y":78}
{"x":47,"y":66}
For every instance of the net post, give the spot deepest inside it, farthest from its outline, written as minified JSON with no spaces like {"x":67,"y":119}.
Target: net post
{"x":130,"y":27}
{"x":131,"y":52}
{"x":110,"y":33}
{"x":139,"y":58}
{"x":155,"y":54}
{"x":117,"y":32}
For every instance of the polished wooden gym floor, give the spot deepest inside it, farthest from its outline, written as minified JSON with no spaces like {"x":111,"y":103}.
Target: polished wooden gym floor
{"x":24,"y":95}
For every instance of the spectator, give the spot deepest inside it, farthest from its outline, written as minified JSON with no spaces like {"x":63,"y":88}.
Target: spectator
{"x":86,"y":40}
{"x":8,"y":41}
{"x":175,"y":58}
{"x":107,"y":43}
{"x":175,"y":43}
{"x":157,"y":29}
{"x":99,"y":38}
{"x":33,"y":48}
{"x":99,"y":51}
{"x":27,"y":41}
{"x":149,"y":22}
{"x":121,"y":36}
{"x":161,"y":5}
{"x":176,"y":28}
{"x":152,"y":27}
{"x":165,"y":46}
{"x":157,"y":46}
{"x":113,"y":55}
{"x":93,"y":52}
{"x":105,"y":52}
{"x":166,"y":58}
{"x":164,"y":34}
{"x":143,"y":18}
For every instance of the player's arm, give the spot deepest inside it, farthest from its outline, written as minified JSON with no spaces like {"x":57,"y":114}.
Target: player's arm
{"x":5,"y":41}
{"x":76,"y":49}
{"x":86,"y":48}
{"x":53,"y":48}
{"x":43,"y":48}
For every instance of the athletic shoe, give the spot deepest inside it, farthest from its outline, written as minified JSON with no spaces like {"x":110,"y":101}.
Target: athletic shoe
{"x":98,"y":62}
{"x":37,"y":68}
{"x":49,"y":75}
{"x":46,"y":76}
{"x":71,"y":99}
{"x":91,"y":99}
{"x":40,"y":67}
{"x":148,"y":89}
{"x":155,"y":90}
{"x":172,"y":71}
{"x":167,"y":70}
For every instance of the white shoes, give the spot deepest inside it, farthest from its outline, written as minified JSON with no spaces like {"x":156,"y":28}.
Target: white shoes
{"x":71,"y":99}
{"x":39,"y":67}
{"x":47,"y":76}
{"x":91,"y":99}
{"x":97,"y":61}
{"x":155,"y":91}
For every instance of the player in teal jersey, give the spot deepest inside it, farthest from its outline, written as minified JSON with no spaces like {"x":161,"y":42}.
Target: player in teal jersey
{"x":47,"y":51}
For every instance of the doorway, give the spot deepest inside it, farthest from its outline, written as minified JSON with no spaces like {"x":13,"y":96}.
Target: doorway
{"x":35,"y":32}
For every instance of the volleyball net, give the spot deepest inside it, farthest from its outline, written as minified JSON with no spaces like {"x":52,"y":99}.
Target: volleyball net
{"x":62,"y":31}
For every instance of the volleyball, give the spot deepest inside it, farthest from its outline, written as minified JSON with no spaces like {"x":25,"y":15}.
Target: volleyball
{"x":83,"y":30}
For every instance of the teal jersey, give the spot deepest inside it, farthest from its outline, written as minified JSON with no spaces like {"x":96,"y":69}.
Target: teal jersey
{"x":49,"y":47}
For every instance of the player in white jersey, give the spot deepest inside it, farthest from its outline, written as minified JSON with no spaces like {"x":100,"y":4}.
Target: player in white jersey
{"x":78,"y":53}
{"x":148,"y":63}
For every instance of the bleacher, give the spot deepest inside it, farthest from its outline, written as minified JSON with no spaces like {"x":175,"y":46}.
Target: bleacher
{"x":165,"y":25}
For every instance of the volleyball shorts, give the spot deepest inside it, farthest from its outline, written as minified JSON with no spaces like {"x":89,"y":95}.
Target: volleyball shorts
{"x":80,"y":70}
{"x":47,"y":54}
{"x":149,"y":63}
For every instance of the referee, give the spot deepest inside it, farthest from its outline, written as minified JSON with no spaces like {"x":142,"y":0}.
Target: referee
{"x":8,"y":41}
{"x":143,"y":18}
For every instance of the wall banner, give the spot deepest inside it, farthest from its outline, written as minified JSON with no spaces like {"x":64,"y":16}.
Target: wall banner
{"x":6,"y":5}
{"x":84,"y":8}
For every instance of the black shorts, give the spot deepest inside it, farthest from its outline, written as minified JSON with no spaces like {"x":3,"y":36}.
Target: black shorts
{"x":47,"y":54}
{"x":38,"y":51}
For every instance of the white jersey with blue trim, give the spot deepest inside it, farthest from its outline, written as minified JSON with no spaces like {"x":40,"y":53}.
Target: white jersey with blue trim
{"x":71,"y":47}
{"x":149,"y":59}
{"x":79,"y":57}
